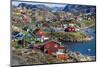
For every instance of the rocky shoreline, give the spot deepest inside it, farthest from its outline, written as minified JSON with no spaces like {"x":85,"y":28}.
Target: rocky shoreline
{"x":79,"y":40}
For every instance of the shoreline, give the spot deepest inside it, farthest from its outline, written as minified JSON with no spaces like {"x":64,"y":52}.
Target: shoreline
{"x":71,"y":37}
{"x":81,"y":40}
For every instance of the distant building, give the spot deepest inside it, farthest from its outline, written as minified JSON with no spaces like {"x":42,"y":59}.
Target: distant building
{"x":70,"y":29}
{"x":26,"y":19}
{"x":39,"y":24}
{"x":65,"y":25}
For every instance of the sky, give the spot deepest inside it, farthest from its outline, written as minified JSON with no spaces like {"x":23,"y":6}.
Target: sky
{"x":49,"y":5}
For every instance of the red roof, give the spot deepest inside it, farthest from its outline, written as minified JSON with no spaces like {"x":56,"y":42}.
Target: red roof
{"x":26,"y":19}
{"x":70,"y":29}
{"x":52,"y":44}
{"x":52,"y":47}
{"x":40,"y":33}
{"x":63,"y":56}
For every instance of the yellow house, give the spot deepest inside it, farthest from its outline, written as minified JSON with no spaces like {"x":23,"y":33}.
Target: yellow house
{"x":19,"y":11}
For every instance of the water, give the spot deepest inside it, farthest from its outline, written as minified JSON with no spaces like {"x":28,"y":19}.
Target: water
{"x":86,"y":48}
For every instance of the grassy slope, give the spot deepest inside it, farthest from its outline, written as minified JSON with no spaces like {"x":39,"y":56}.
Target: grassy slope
{"x":68,"y":35}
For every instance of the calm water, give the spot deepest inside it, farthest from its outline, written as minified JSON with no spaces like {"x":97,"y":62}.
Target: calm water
{"x":86,"y":48}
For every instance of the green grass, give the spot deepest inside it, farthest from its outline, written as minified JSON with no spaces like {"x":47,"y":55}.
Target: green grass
{"x":89,"y":22}
{"x":68,"y":35}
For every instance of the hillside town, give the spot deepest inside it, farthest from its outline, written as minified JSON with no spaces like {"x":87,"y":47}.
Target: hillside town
{"x":39,"y":31}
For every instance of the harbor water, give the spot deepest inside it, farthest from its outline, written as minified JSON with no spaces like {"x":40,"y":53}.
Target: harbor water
{"x":86,"y":48}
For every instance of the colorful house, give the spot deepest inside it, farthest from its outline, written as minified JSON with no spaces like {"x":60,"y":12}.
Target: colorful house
{"x":39,"y":23}
{"x":51,"y":47}
{"x":26,"y":19}
{"x":40,"y":35}
{"x":63,"y":57}
{"x":70,"y":29}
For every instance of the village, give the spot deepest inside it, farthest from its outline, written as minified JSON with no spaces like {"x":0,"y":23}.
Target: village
{"x":38,"y":35}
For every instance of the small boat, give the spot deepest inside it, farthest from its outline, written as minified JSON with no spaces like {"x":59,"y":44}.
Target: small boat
{"x":89,"y":49}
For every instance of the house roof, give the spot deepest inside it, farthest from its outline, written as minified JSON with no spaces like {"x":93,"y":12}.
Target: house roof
{"x":40,"y":32}
{"x":53,"y":44}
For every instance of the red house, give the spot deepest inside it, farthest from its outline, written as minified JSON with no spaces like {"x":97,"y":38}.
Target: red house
{"x":51,"y":47}
{"x":39,"y":32}
{"x":70,"y":29}
{"x":26,"y":19}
